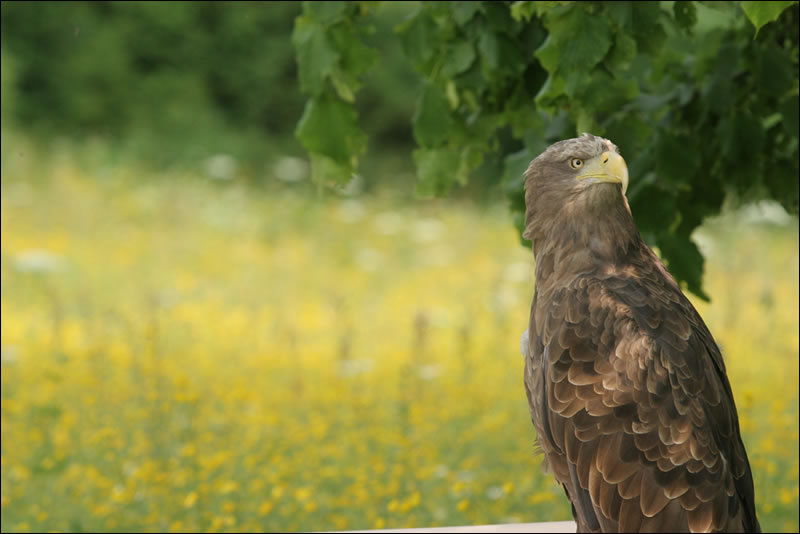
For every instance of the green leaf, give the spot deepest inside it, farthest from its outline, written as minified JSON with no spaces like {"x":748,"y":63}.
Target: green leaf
{"x":499,"y":20}
{"x":543,"y":7}
{"x":523,"y":10}
{"x":645,"y":24}
{"x":470,"y":159}
{"x":365,"y":6}
{"x":600,"y":94}
{"x":328,"y":12}
{"x":356,"y":57}
{"x":622,"y":53}
{"x":432,"y":121}
{"x":577,"y":41}
{"x":653,"y":209}
{"x":551,"y":93}
{"x":762,"y":12}
{"x":463,"y":12}
{"x":585,"y":122}
{"x":436,"y":170}
{"x":458,"y":58}
{"x":684,"y":261}
{"x":329,"y":127}
{"x":452,"y":94}
{"x":685,"y":14}
{"x":499,"y":53}
{"x":514,"y":166}
{"x":716,"y":5}
{"x":316,"y":56}
{"x":523,"y":117}
{"x":775,"y":70}
{"x":739,"y":134}
{"x":720,"y":92}
{"x":621,"y":14}
{"x":741,"y":139}
{"x":325,"y":171}
{"x":676,"y":160}
{"x":345,"y":85}
{"x":789,"y":110}
{"x":419,"y":38}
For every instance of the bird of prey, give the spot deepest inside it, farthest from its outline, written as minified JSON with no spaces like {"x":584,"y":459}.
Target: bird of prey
{"x":626,"y":386}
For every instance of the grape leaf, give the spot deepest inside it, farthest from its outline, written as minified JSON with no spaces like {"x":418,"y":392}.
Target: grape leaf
{"x":464,"y":11}
{"x":577,"y":41}
{"x":622,"y":53}
{"x":684,"y":261}
{"x":329,"y":127}
{"x":762,"y":12}
{"x":326,"y":171}
{"x":326,"y":12}
{"x":419,"y":36}
{"x":685,"y":15}
{"x":436,"y":169}
{"x":432,"y":121}
{"x":523,"y":10}
{"x":459,"y":57}
{"x":316,"y":56}
{"x":789,"y":110}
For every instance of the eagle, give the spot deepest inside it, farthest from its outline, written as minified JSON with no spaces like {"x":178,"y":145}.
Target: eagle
{"x":626,"y":386}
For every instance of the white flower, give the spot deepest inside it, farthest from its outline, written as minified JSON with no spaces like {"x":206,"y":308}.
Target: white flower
{"x":39,"y":261}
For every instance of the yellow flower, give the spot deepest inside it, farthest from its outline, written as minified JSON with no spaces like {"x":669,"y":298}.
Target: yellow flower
{"x":302,"y":494}
{"x":229,"y":486}
{"x":539,"y":497}
{"x":277,"y":492}
{"x":101,"y":510}
{"x":190,"y":500}
{"x":265,"y":508}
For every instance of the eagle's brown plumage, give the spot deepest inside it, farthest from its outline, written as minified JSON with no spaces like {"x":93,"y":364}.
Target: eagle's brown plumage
{"x":626,"y":386}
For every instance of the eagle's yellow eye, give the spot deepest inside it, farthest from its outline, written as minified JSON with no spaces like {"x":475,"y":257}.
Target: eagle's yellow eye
{"x":576,"y":163}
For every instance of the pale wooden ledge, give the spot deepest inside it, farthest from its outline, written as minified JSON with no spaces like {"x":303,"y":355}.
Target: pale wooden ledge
{"x":553,"y":526}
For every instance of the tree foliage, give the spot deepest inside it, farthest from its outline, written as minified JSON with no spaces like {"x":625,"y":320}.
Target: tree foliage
{"x":701,"y":98}
{"x":175,"y":81}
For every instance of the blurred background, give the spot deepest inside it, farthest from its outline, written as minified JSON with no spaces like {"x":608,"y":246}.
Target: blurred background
{"x":197,"y":338}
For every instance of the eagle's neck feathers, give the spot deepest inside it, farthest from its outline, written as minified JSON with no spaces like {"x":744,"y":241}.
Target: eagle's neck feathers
{"x":592,"y":228}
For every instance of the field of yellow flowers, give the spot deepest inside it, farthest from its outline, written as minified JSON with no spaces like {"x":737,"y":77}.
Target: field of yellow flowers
{"x":181,"y":355}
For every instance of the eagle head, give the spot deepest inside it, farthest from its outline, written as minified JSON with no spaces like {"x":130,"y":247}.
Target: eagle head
{"x":574,"y":174}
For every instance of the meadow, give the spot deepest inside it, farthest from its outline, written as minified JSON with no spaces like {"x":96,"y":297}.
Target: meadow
{"x":185,"y":355}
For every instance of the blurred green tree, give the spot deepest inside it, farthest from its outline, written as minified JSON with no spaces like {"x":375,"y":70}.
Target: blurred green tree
{"x":180,"y":80}
{"x":173,"y":83}
{"x":702,"y":96}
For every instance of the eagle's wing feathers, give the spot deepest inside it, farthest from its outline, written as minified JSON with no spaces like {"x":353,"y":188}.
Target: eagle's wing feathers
{"x":630,"y":401}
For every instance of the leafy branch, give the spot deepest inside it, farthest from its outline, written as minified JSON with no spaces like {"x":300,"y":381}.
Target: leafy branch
{"x":701,"y":97}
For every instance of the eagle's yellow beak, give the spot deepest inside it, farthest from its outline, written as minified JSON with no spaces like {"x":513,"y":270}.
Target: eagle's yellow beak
{"x":607,"y":167}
